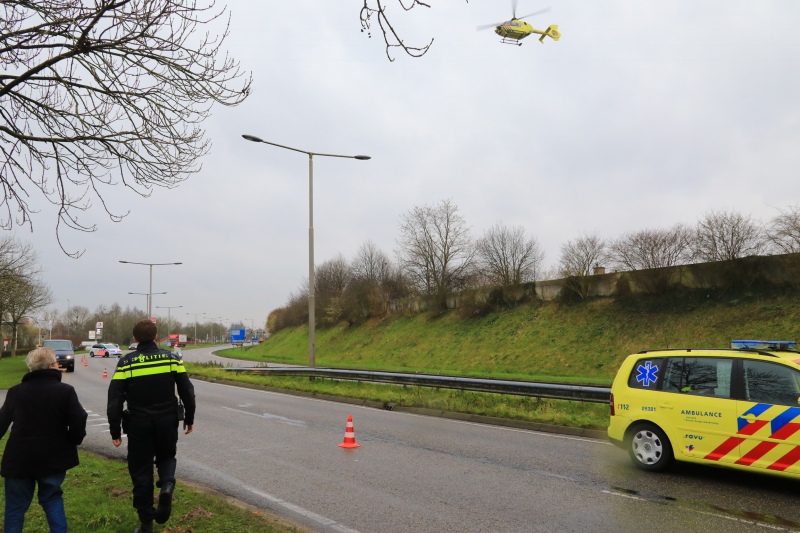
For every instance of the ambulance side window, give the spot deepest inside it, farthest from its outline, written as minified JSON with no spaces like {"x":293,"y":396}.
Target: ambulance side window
{"x":771,"y":383}
{"x":646,"y":374}
{"x":699,"y":376}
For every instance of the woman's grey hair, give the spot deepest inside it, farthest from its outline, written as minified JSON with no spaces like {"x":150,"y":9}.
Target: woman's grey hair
{"x":41,"y":358}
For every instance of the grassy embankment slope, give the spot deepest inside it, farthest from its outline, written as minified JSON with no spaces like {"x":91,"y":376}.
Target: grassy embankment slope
{"x":581,"y":343}
{"x":584,"y":342}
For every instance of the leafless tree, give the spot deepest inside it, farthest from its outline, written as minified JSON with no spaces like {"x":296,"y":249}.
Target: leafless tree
{"x":435,"y":249}
{"x":78,"y":319}
{"x":332,"y":276}
{"x":370,"y":264}
{"x":332,"y":279}
{"x":783,"y":230}
{"x":105,"y":92}
{"x":724,"y":235}
{"x":26,"y":296}
{"x":578,"y":259}
{"x":19,"y":266}
{"x":641,"y":252}
{"x":507,"y":256}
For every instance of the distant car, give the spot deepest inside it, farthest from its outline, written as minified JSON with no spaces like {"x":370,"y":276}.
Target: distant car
{"x":133,"y":346}
{"x":107,"y":349}
{"x":64,"y":353}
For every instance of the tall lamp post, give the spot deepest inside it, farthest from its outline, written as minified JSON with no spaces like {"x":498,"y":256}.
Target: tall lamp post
{"x":195,"y":325}
{"x":149,"y":296}
{"x":212,"y":319}
{"x":311,"y":317}
{"x":151,"y":265}
{"x":169,"y":317}
{"x":251,"y":327}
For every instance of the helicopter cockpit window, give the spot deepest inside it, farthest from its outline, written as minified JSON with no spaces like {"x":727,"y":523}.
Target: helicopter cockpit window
{"x":516,"y":24}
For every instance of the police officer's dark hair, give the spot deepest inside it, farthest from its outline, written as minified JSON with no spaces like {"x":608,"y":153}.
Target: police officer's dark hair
{"x":144,"y":331}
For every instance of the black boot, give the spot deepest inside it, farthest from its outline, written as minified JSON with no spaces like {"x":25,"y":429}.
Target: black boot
{"x":165,"y":502}
{"x":144,"y":527}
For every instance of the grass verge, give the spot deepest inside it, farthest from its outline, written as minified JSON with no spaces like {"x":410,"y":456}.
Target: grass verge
{"x":557,"y":412}
{"x":97,"y":497}
{"x":11,"y":371}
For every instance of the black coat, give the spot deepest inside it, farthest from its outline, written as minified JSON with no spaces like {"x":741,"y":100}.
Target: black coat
{"x":49,"y":423}
{"x":146,"y":379}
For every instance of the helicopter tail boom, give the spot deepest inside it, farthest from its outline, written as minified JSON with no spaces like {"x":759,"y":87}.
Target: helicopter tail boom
{"x":552,"y":32}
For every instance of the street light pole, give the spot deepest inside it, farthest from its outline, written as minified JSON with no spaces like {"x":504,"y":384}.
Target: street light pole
{"x":169,"y":316}
{"x":195,"y":325}
{"x":311,"y":292}
{"x":150,"y":297}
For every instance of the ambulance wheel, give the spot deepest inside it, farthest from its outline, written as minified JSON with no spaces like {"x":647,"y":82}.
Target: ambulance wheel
{"x":649,"y":448}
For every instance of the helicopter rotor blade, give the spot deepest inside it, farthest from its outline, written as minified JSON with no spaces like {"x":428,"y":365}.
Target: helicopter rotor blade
{"x":514,"y":8}
{"x":487,"y":26}
{"x":540,"y":12}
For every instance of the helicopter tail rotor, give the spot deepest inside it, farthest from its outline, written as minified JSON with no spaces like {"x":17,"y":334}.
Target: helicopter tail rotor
{"x":552,"y":32}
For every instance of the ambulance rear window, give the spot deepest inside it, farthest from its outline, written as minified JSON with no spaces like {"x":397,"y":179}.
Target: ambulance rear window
{"x":646,"y":374}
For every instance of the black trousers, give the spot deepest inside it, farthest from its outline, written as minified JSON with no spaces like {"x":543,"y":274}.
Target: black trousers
{"x":150,"y":440}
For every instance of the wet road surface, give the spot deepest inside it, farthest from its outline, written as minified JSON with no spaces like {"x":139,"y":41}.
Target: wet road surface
{"x":416,"y":473}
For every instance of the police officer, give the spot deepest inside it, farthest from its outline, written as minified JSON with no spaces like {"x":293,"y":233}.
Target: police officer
{"x":146,"y":379}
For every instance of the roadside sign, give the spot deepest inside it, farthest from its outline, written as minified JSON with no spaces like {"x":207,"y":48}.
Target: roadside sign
{"x":237,"y":336}
{"x":98,"y":334}
{"x":91,"y":335}
{"x":153,"y":319}
{"x":99,"y":325}
{"x":5,"y":344}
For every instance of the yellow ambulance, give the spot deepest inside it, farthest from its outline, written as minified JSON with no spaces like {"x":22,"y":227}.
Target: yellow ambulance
{"x":737,"y":407}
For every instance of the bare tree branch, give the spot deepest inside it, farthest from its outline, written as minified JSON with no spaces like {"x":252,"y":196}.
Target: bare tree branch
{"x":107,"y":92}
{"x":390,"y":36}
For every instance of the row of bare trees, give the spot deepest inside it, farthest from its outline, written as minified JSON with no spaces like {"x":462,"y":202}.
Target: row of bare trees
{"x":22,"y":291}
{"x":717,"y":236}
{"x":437,"y":254}
{"x":76,"y":322}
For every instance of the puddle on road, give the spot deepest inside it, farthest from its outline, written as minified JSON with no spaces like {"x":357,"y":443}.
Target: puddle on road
{"x":764,"y":520}
{"x":746,"y":516}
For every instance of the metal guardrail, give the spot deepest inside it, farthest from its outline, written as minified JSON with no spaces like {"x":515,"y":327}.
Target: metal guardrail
{"x":558,"y":391}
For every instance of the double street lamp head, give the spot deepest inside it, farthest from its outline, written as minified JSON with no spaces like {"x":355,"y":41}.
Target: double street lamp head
{"x":255,"y":139}
{"x":149,"y":264}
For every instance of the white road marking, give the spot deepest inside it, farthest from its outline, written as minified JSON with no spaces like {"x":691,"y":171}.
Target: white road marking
{"x":96,"y":425}
{"x":92,"y":414}
{"x":281,"y":419}
{"x":327,"y":522}
{"x":372,"y":409}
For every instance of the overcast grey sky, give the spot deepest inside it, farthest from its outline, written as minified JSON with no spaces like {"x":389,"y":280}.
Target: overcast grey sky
{"x":644,"y":114}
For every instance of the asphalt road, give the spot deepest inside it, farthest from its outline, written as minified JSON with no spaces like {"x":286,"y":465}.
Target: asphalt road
{"x":423,"y":474}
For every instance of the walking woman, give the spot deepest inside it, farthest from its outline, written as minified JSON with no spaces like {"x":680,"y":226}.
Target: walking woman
{"x":48,"y":424}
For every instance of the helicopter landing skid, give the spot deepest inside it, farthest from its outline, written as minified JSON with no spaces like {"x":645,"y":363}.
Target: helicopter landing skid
{"x":508,"y":40}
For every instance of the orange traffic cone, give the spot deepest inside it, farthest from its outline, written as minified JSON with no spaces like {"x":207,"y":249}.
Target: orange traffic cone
{"x":105,"y":373}
{"x":349,"y":435}
{"x":85,"y":364}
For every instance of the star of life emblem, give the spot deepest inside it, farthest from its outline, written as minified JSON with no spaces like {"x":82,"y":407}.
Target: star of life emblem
{"x":647,"y":373}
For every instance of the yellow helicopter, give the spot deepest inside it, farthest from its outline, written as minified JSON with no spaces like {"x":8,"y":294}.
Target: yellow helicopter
{"x":514,"y":30}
